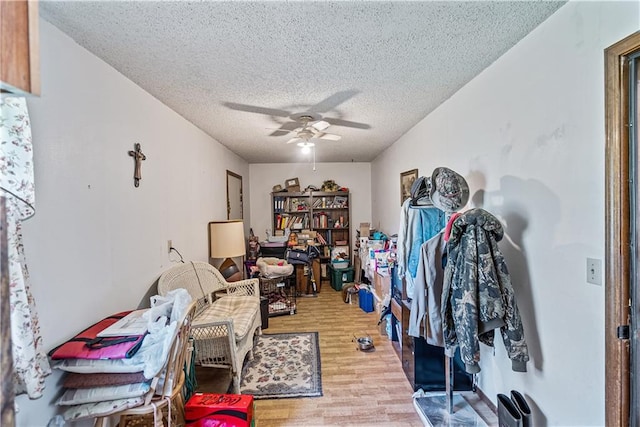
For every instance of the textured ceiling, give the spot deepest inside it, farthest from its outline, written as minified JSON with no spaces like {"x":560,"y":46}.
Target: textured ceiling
{"x":378,"y":66}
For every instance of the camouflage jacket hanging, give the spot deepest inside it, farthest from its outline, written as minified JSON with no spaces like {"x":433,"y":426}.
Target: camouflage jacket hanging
{"x":477,"y":296}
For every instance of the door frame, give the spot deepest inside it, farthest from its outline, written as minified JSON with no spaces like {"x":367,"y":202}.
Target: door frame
{"x":234,"y":175}
{"x":617,"y":230}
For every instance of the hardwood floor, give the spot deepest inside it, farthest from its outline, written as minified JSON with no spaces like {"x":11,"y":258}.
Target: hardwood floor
{"x":360,"y":388}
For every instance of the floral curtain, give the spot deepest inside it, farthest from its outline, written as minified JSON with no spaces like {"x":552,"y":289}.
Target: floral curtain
{"x":17,"y":186}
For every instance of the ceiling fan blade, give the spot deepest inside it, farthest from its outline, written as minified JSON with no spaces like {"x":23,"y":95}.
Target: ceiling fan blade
{"x":279,"y":132}
{"x":286,"y":128}
{"x":333,"y":101}
{"x":256,"y":109}
{"x":320,"y":125}
{"x":347,"y":123}
{"x":292,"y":140}
{"x":329,"y":136}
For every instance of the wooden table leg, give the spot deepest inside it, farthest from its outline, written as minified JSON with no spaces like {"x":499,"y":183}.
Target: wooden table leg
{"x":301,"y":280}
{"x":316,"y":274}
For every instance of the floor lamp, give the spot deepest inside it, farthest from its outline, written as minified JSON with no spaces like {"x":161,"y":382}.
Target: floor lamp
{"x":226,"y":240}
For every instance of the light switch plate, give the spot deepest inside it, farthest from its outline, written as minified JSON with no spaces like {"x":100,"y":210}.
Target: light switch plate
{"x":594,"y":271}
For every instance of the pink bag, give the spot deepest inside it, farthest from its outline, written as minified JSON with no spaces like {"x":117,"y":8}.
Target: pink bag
{"x":87,"y":345}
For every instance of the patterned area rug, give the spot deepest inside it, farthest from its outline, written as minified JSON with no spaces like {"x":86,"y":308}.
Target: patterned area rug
{"x":283,"y":366}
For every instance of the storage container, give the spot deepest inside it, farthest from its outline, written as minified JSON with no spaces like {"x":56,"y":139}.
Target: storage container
{"x":281,"y":295}
{"x":208,"y":409}
{"x":338,"y":265}
{"x":365,"y":300}
{"x":339,"y":277}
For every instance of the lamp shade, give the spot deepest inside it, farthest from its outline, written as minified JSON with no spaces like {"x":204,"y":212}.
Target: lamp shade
{"x":226,"y":239}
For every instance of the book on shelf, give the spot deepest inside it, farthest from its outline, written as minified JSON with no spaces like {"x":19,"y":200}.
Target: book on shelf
{"x":321,"y":239}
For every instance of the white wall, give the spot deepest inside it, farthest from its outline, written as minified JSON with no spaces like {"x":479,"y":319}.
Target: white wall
{"x":263,"y":176}
{"x":528,"y":135}
{"x":97,"y":244}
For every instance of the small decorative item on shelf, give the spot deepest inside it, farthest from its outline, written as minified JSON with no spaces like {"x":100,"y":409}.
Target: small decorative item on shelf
{"x":254,"y":245}
{"x":276,"y":188}
{"x":339,"y":202}
{"x":293,"y":239}
{"x":329,"y":186}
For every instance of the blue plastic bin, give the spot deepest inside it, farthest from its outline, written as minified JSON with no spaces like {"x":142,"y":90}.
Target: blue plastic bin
{"x":365,"y":300}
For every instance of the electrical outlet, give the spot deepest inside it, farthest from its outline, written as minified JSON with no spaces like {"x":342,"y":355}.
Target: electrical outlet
{"x":169,"y":246}
{"x":594,"y":271}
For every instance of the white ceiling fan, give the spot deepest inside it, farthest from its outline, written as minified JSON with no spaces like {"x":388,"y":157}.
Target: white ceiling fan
{"x":310,"y":129}
{"x":311,"y":118}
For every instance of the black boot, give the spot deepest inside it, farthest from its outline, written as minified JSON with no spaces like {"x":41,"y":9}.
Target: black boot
{"x":508,"y":414}
{"x":523,"y":407}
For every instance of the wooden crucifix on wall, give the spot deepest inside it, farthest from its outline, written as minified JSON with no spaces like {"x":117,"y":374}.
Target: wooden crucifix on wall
{"x":138,"y":157}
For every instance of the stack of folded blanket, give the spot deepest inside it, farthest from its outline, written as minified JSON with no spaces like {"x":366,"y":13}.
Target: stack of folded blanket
{"x":110,"y":374}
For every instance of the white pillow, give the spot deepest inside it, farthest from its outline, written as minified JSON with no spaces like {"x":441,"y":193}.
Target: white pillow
{"x":77,"y":396}
{"x":87,"y":366}
{"x":93,"y":410}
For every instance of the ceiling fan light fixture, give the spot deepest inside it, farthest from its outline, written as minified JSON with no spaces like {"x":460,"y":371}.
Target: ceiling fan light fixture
{"x":306,"y":146}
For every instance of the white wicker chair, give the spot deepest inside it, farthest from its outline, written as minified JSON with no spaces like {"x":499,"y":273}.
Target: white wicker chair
{"x":221,"y":341}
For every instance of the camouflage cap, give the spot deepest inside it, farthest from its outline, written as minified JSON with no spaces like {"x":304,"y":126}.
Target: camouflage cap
{"x":449,"y":191}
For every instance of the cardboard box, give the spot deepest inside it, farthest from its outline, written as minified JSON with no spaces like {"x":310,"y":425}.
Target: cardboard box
{"x":292,"y":185}
{"x":219,"y":410}
{"x":311,"y":233}
{"x":382,"y":284}
{"x":364,"y":229}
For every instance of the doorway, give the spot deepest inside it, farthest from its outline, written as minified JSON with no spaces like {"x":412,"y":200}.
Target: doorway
{"x":622,"y":213}
{"x":234,"y":195}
